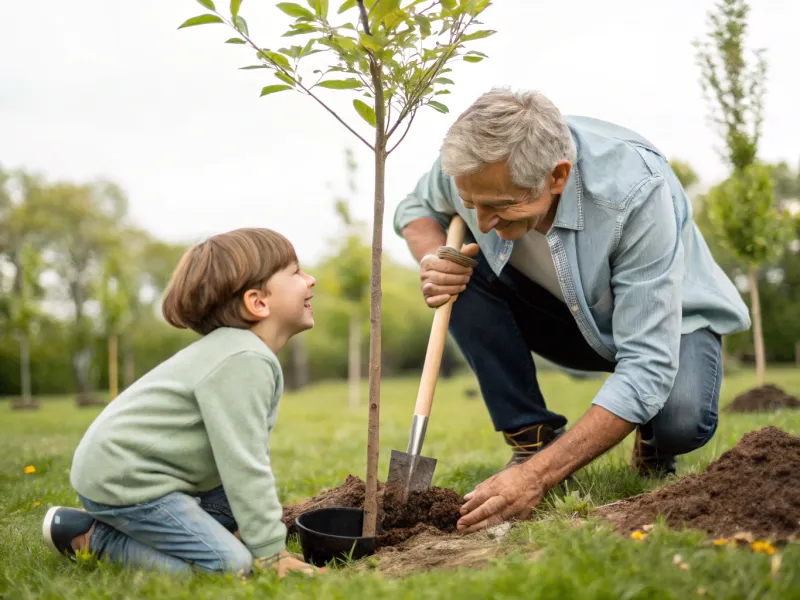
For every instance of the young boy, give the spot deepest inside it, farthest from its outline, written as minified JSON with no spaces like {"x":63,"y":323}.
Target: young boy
{"x":175,"y":472}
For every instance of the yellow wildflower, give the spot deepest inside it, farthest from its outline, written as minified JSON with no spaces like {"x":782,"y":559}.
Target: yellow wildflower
{"x":764,"y":547}
{"x":637,"y":535}
{"x":37,"y":504}
{"x":29,"y":469}
{"x":720,"y":542}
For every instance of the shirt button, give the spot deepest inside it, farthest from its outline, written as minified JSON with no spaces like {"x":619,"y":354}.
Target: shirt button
{"x":575,"y":308}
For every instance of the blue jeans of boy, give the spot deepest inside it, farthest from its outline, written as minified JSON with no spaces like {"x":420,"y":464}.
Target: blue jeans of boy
{"x":174,"y":533}
{"x":498,"y":321}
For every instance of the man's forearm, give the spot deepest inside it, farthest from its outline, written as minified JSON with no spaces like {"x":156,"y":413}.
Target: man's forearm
{"x":596,"y":432}
{"x":424,"y":236}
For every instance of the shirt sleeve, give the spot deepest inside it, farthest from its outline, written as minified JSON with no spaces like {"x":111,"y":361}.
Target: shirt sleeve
{"x":646,"y":276}
{"x":434,"y":196}
{"x":235,"y":401}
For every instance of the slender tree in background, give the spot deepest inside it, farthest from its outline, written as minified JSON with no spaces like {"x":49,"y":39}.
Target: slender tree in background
{"x":742,"y":208}
{"x":353,"y":273}
{"x":392,"y":53}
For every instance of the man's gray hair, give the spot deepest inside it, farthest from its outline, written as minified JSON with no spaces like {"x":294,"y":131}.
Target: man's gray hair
{"x":525,"y":128}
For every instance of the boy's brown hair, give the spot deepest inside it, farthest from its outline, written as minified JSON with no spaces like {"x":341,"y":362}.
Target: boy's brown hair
{"x":206,"y":289}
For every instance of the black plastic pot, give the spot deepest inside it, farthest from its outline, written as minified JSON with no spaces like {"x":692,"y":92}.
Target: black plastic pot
{"x":333,"y":533}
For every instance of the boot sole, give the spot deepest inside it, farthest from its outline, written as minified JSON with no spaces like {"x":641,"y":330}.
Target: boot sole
{"x":47,"y":526}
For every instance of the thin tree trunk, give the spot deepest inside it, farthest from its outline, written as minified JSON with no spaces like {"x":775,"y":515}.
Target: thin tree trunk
{"x":25,"y":369}
{"x":354,"y":359}
{"x":128,"y":366}
{"x":113,"y":377}
{"x":758,"y":336}
{"x":299,"y":363}
{"x":373,"y":433}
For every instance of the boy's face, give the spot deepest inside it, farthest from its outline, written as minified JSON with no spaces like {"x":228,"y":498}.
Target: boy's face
{"x":289,"y":299}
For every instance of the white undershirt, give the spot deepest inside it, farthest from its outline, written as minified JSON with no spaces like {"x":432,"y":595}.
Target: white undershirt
{"x":531,"y":257}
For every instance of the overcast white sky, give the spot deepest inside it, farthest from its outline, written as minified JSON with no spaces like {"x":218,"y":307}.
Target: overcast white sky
{"x":99,"y":88}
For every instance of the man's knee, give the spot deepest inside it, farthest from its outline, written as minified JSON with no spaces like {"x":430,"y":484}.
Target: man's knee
{"x":687,"y":432}
{"x":689,"y":417}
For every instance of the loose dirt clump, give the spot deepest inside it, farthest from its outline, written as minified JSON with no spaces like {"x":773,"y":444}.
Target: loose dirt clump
{"x":763,"y":398}
{"x":432,"y":511}
{"x":754,"y":487}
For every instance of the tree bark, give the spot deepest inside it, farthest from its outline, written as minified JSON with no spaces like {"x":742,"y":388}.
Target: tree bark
{"x":128,"y":366}
{"x":354,"y":359}
{"x":373,"y":433}
{"x":758,"y":335}
{"x":113,"y":377}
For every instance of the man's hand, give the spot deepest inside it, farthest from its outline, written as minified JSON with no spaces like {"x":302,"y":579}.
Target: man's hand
{"x":284,"y":562}
{"x":440,"y":279}
{"x":511,"y":493}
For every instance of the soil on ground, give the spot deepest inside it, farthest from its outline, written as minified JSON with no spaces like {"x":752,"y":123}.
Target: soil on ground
{"x":433,"y":511}
{"x":752,"y":488}
{"x":763,"y":398}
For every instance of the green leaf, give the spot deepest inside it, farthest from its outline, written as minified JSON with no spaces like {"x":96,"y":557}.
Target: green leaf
{"x":271,"y":89}
{"x":368,"y":41}
{"x":241,"y":24}
{"x":284,"y":78}
{"x":478,"y":35}
{"x":250,"y":67}
{"x":295,"y":10}
{"x":235,"y":41}
{"x":201,"y":20}
{"x":424,"y":24}
{"x":278,"y":59}
{"x":472,"y":59}
{"x":365,"y":111}
{"x":300,"y":29}
{"x":341,"y":84}
{"x":235,"y":7}
{"x":346,"y":5}
{"x":438,"y":105}
{"x":320,"y":7}
{"x":448,"y":4}
{"x":207,"y":4}
{"x":443,"y":80}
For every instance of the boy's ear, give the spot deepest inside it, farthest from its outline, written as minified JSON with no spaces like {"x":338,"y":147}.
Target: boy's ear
{"x":255,"y":304}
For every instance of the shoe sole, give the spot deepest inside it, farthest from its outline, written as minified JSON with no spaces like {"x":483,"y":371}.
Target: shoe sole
{"x":47,"y":525}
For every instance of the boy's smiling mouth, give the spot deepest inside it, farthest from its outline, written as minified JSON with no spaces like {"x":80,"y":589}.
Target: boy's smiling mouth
{"x":307,"y":303}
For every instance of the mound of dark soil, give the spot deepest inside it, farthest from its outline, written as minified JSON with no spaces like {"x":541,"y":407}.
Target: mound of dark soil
{"x":754,"y":487}
{"x":764,"y":398}
{"x":434,"y":510}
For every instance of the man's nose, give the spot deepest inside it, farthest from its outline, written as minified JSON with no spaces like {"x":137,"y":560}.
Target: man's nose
{"x":486,"y":220}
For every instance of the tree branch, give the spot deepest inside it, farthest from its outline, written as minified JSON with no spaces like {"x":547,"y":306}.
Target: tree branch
{"x":408,"y":126}
{"x":364,"y":18}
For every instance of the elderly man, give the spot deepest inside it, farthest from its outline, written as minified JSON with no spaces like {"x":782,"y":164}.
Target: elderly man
{"x":587,"y":255}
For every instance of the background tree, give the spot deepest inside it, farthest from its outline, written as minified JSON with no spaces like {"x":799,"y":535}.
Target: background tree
{"x":352,"y":260}
{"x":82,"y":224}
{"x":394,"y":54}
{"x":685,"y":173}
{"x":742,"y":208}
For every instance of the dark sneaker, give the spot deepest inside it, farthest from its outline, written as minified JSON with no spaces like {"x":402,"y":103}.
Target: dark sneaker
{"x":647,"y":461}
{"x":529,"y":440}
{"x":61,"y":525}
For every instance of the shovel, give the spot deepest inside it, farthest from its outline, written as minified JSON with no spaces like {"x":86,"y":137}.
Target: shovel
{"x":409,"y":471}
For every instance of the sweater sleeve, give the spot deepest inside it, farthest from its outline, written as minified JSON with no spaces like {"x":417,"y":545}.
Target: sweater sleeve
{"x":235,"y":401}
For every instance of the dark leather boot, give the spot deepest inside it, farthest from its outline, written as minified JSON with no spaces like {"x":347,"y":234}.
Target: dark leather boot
{"x":527,"y":441}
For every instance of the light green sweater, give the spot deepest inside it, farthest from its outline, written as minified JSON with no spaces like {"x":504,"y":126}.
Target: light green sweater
{"x":200,"y":419}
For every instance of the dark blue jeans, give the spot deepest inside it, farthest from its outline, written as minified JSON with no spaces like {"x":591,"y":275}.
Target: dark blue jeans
{"x":498,"y":321}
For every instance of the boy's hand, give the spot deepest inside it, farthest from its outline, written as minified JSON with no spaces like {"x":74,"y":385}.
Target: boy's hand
{"x":284,"y":562}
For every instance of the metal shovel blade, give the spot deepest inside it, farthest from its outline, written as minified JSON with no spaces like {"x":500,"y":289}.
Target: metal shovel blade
{"x":409,"y":473}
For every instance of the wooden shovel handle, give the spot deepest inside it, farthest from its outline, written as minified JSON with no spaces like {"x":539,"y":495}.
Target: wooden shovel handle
{"x":441,"y":319}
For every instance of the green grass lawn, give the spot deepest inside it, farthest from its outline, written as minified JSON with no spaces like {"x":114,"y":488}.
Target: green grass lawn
{"x":318,"y":440}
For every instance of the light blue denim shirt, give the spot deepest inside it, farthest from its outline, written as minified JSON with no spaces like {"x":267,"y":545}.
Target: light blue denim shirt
{"x":634,"y":269}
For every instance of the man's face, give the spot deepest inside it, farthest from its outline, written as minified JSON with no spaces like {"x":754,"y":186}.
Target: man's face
{"x":510,"y":210}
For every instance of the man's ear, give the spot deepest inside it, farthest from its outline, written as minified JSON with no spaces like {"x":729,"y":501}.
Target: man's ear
{"x":255,"y":304}
{"x":560,"y":174}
